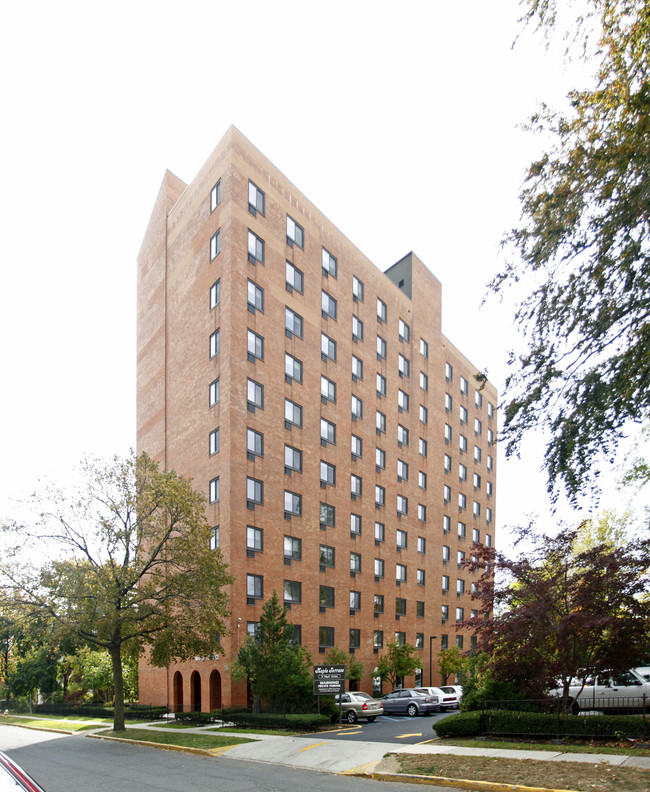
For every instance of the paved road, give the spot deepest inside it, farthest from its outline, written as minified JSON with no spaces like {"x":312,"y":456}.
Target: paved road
{"x":62,"y":764}
{"x":391,"y":729}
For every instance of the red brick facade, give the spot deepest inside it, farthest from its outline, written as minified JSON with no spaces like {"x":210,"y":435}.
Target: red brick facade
{"x":193,"y":333}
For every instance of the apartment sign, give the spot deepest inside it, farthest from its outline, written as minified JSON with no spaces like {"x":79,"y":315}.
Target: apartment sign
{"x":329,"y":680}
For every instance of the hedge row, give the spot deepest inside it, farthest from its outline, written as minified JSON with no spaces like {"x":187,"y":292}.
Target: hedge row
{"x":138,"y":711}
{"x":243,"y":718}
{"x":507,"y":723}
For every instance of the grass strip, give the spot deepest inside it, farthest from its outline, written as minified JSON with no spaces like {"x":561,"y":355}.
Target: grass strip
{"x":54,"y":723}
{"x":587,"y":748}
{"x":528,"y":772}
{"x":184,"y":740}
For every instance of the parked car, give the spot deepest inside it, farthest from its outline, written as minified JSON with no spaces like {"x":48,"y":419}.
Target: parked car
{"x":607,"y":691}
{"x":447,"y":696}
{"x":644,"y":672}
{"x":457,"y":689}
{"x":357,"y":704}
{"x":410,"y":701}
{"x":15,"y":778}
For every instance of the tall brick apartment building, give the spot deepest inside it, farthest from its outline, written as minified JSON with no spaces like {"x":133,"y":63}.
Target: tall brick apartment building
{"x":346,"y":453}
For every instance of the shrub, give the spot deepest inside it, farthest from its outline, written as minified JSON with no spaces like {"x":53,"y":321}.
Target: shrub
{"x":465,"y":724}
{"x":199,"y":718}
{"x":267,"y":720}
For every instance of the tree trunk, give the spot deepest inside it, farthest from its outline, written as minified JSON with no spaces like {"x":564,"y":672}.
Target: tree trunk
{"x":118,"y":682}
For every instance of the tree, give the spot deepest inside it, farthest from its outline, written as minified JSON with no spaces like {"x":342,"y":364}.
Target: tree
{"x":277,"y":667}
{"x":398,"y":662}
{"x":130,"y":567}
{"x":451,"y":661}
{"x":353,"y":667}
{"x":558,"y":613}
{"x":584,"y":244}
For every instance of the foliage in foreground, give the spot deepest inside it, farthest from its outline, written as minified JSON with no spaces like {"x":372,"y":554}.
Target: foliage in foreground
{"x":400,"y":661}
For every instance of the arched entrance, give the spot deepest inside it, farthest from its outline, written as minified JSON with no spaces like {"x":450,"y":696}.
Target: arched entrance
{"x":215,"y":690}
{"x":195,"y":687}
{"x":177,"y":687}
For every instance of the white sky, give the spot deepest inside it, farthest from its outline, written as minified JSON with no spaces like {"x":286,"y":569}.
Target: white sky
{"x":399,"y":121}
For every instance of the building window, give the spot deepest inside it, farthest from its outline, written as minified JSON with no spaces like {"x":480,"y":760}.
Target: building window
{"x":478,"y":427}
{"x":254,"y":586}
{"x":380,"y":422}
{"x":355,"y":524}
{"x":292,"y":414}
{"x":462,"y":501}
{"x":419,"y":612}
{"x":445,"y":582}
{"x":215,"y":539}
{"x":380,"y":496}
{"x":329,"y":263}
{"x":328,"y":306}
{"x":449,"y":372}
{"x":400,"y":638}
{"x":357,"y":408}
{"x":255,"y":199}
{"x":357,"y":368}
{"x":254,"y":395}
{"x":355,"y":600}
{"x":404,"y":331}
{"x":448,"y":433}
{"x":292,"y":368}
{"x":326,"y":597}
{"x":477,"y":481}
{"x":255,"y":297}
{"x":490,"y":410}
{"x":445,"y":612}
{"x":357,"y":289}
{"x":327,"y":556}
{"x":380,"y":532}
{"x":214,"y":441}
{"x":356,"y":484}
{"x":381,"y":348}
{"x":327,"y":474}
{"x":447,"y":463}
{"x":490,"y":437}
{"x":460,"y":558}
{"x":379,"y":567}
{"x":325,"y":638}
{"x":215,"y":294}
{"x":462,"y":444}
{"x":490,"y":462}
{"x":478,"y":399}
{"x":422,"y":479}
{"x":382,"y":312}
{"x":215,"y":245}
{"x":477,"y":454}
{"x":460,"y":614}
{"x":292,"y":548}
{"x":488,"y":487}
{"x":292,"y":323}
{"x":357,"y":329}
{"x":402,"y":505}
{"x":488,"y":515}
{"x":402,"y":435}
{"x":476,"y":535}
{"x":424,"y":348}
{"x":422,"y":446}
{"x":215,"y":392}
{"x":254,"y":539}
{"x":403,"y":365}
{"x":380,"y":459}
{"x":327,"y":516}
{"x":462,"y":530}
{"x":488,"y":540}
{"x":292,"y":504}
{"x":381,"y":385}
{"x":402,"y":401}
{"x":446,"y":524}
{"x":215,"y":196}
{"x":378,"y":639}
{"x":254,"y":492}
{"x":355,"y":563}
{"x":460,"y":586}
{"x":255,"y":346}
{"x":446,"y":493}
{"x":215,"y":343}
{"x":356,"y":447}
{"x":327,"y":432}
{"x":464,"y":386}
{"x":446,"y":554}
{"x":254,"y":444}
{"x":327,"y":389}
{"x":293,"y":278}
{"x":292,"y":591}
{"x":292,"y":460}
{"x":419,"y":637}
{"x":400,"y":602}
{"x":402,"y":540}
{"x":378,"y":603}
{"x":214,"y":490}
{"x":422,"y":544}
{"x":255,"y":248}
{"x":327,"y":347}
{"x":402,"y":470}
{"x":295,"y":233}
{"x":422,"y":512}
{"x":424,"y":381}
{"x":462,"y":472}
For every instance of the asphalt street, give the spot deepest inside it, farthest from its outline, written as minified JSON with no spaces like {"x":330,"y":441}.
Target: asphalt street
{"x":391,"y":728}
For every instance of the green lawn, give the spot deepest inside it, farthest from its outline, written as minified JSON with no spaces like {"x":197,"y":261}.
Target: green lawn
{"x":186,"y":740}
{"x":585,"y":748}
{"x":68,"y":724}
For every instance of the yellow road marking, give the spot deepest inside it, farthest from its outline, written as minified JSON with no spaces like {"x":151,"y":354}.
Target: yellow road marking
{"x":415,"y":734}
{"x":315,"y":745}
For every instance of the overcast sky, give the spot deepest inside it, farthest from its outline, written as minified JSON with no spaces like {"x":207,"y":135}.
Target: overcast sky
{"x":399,"y":121}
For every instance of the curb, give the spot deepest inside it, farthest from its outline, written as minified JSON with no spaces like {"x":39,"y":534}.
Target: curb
{"x":163,"y":746}
{"x":463,"y":783}
{"x":41,"y":728}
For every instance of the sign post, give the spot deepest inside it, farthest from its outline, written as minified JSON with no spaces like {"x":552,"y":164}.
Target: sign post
{"x":329,"y":680}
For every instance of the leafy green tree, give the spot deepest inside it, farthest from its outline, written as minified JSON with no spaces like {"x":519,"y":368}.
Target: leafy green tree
{"x":353,"y":666}
{"x":131,"y":566}
{"x":583,"y":250}
{"x":452,"y":661}
{"x":277,"y":668}
{"x":400,"y":661}
{"x":554,"y":614}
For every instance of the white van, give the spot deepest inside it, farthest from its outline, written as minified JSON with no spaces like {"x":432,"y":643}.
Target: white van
{"x":622,"y":690}
{"x":644,"y":672}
